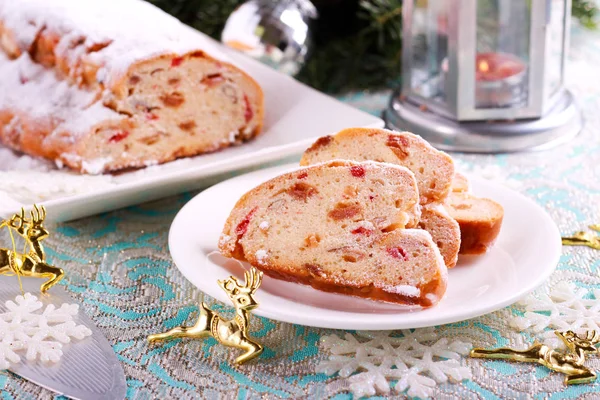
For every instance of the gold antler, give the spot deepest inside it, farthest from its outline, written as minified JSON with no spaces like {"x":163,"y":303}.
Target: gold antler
{"x":39,"y":215}
{"x":257,"y":278}
{"x":592,"y":336}
{"x":249,"y":280}
{"x":20,"y":219}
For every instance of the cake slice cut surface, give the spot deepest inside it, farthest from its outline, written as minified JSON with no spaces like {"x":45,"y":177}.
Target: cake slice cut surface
{"x":341,"y":227}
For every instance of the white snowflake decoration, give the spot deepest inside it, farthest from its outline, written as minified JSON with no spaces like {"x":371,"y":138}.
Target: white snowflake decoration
{"x":567,"y":307}
{"x":372,"y":359}
{"x":40,"y":335}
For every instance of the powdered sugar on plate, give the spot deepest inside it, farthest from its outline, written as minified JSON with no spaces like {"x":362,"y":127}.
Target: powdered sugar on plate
{"x":27,"y":180}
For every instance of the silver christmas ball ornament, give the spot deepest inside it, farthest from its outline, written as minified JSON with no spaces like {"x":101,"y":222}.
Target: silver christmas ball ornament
{"x":275,"y":32}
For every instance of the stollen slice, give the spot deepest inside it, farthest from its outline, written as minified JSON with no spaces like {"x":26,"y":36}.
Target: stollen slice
{"x":340,"y":226}
{"x":444,"y":230}
{"x":480,"y":220}
{"x":433,"y":169}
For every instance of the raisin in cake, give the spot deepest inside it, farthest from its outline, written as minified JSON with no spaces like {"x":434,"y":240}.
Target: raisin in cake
{"x":104,"y":85}
{"x":340,"y":227}
{"x":433,"y":169}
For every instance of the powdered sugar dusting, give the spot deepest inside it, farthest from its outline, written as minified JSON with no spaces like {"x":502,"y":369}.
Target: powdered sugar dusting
{"x":264,"y":225}
{"x":104,"y":38}
{"x":261,"y":256}
{"x":131,"y":30}
{"x":223,"y":239}
{"x":9,"y":160}
{"x":27,"y":180}
{"x":366,"y":224}
{"x":431,"y":297}
{"x":405,"y":290}
{"x":95,"y":166}
{"x":44,"y":98}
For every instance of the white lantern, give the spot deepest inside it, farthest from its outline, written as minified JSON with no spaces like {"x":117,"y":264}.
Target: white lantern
{"x":485,"y":75}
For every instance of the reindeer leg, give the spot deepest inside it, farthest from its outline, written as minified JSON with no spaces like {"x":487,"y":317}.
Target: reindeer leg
{"x":197,"y":331}
{"x":5,"y":270}
{"x":9,"y":259}
{"x":49,"y":271}
{"x":252,"y":348}
{"x":585,"y":377}
{"x":178,"y":332}
{"x":532,"y":354}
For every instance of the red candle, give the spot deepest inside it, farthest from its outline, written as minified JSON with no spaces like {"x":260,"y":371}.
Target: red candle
{"x":497,"y":66}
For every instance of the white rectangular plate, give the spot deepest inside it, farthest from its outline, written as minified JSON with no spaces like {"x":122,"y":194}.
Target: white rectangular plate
{"x":295,"y":115}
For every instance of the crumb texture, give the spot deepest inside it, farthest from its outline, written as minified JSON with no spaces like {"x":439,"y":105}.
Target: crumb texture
{"x":444,"y":230}
{"x":480,"y":220}
{"x":433,"y":169}
{"x":89,"y":84}
{"x":343,"y":227}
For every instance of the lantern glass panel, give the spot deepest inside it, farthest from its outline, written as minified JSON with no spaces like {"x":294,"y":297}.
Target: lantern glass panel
{"x":502,"y":53}
{"x":555,"y":46}
{"x":429,"y":39}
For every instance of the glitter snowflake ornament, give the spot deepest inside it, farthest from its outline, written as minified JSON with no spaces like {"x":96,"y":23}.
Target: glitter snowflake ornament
{"x":40,"y":335}
{"x":418,"y":360}
{"x":566,"y":307}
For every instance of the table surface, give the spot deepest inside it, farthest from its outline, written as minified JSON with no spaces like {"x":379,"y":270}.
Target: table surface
{"x":119,"y":269}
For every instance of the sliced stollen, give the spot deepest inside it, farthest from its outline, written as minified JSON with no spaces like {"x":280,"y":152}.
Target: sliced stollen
{"x":460,"y":183}
{"x":433,"y":169}
{"x":340,"y":227}
{"x":444,"y":230}
{"x":105,"y":85}
{"x":480,"y":220}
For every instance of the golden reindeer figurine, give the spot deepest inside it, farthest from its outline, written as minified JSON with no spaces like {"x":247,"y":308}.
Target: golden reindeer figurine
{"x":569,"y":363}
{"x":583,"y":238}
{"x":233,"y":333}
{"x":33,"y":263}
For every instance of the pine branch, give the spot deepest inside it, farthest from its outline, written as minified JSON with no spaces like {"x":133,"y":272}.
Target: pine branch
{"x":365,"y":59}
{"x":586,"y":12}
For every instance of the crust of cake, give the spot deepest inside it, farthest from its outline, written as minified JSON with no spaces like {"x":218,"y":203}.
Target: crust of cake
{"x":480,"y":220}
{"x":433,"y":169}
{"x":340,"y":226}
{"x":72,"y":94}
{"x":430,"y":292}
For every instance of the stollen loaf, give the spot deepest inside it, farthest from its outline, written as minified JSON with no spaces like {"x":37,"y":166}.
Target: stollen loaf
{"x":106,"y":85}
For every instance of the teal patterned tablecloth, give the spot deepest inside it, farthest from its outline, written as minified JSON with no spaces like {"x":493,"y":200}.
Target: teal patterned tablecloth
{"x":120,"y":271}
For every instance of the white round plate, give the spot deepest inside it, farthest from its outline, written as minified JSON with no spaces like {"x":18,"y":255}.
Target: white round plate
{"x":525,"y":254}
